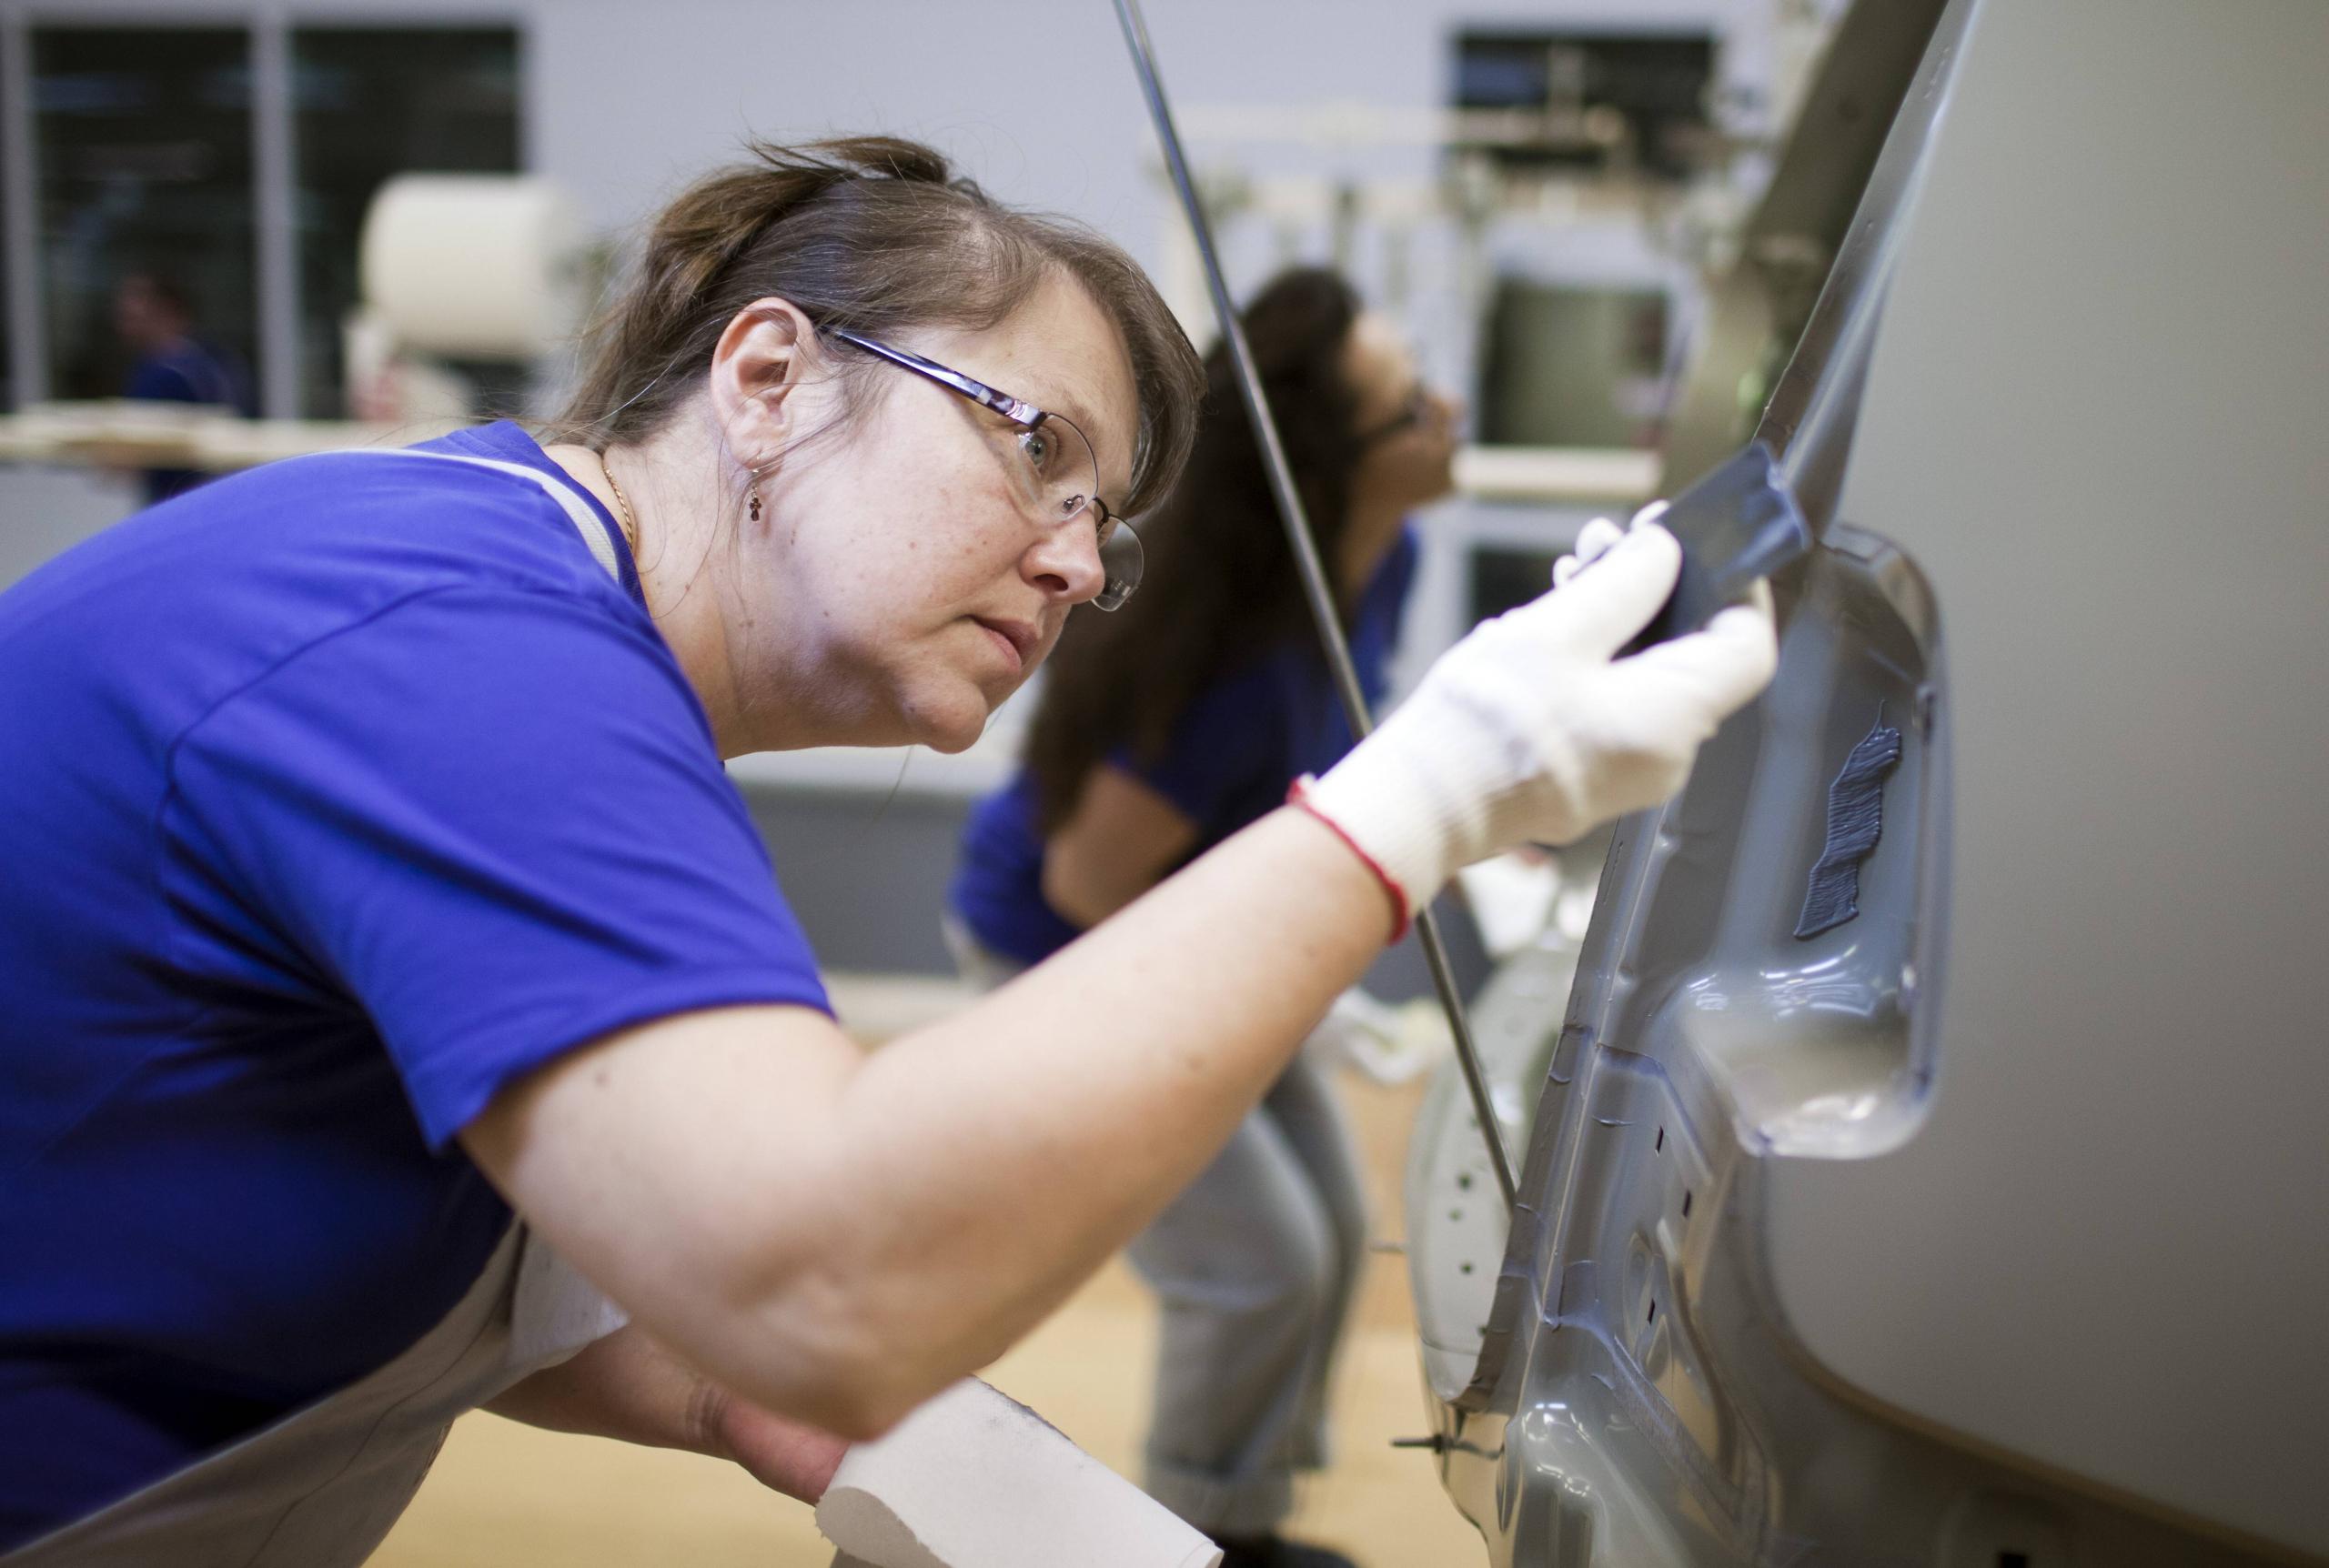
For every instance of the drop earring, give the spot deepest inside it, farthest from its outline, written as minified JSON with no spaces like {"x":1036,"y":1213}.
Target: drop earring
{"x":754,"y":511}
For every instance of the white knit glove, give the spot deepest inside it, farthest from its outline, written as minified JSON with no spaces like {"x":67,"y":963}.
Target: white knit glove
{"x":1531,"y":730}
{"x":1594,"y":539}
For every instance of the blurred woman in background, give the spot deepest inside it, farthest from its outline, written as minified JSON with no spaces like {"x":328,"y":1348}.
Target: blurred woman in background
{"x":1163,"y":731}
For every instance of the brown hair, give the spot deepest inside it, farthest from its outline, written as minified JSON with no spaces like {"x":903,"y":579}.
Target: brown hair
{"x":871,"y":234}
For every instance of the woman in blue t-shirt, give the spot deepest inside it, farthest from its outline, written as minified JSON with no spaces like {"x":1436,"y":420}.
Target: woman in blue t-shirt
{"x":1165,"y":730}
{"x":371,"y":882}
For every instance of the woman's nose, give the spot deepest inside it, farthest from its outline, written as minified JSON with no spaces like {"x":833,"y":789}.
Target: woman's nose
{"x":1064,"y":562}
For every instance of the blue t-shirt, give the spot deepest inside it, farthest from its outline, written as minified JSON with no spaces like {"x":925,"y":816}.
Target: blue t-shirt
{"x":186,"y":372}
{"x":1227,"y":764}
{"x":334,"y":796}
{"x":189,"y":372}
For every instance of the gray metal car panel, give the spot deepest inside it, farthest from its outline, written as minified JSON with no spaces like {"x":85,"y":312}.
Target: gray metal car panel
{"x":1985,"y":1228}
{"x":2099,"y":420}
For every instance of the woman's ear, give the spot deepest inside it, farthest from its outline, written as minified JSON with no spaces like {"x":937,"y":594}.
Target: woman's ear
{"x":765,"y":360}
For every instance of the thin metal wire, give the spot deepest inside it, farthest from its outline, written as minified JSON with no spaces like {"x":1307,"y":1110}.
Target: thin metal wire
{"x":1305,"y":556}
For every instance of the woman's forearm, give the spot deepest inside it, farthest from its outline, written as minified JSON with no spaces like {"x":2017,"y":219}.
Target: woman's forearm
{"x":1004,"y":1153}
{"x":837,"y":1236}
{"x":1121,"y":838}
{"x":625,"y":1386}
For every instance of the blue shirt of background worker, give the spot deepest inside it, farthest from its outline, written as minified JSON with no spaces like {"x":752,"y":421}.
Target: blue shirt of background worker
{"x":155,"y":321}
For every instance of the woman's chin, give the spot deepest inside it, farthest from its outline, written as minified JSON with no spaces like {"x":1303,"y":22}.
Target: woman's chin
{"x":952,"y":724}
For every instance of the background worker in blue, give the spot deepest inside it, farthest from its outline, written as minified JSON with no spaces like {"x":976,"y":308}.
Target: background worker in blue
{"x":1162,"y":731}
{"x":387,"y":951}
{"x":154,"y":318}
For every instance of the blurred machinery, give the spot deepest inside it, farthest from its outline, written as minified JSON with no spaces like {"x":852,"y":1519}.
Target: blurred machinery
{"x":461,"y":273}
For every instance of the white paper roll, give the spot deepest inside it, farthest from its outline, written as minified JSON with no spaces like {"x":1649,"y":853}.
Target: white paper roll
{"x":479,"y":266}
{"x":975,"y":1479}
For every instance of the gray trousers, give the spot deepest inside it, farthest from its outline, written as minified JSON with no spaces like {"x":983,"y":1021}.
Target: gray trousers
{"x":1255,"y":1267}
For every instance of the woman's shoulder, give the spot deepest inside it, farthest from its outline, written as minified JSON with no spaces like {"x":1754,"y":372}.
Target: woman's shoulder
{"x":175,"y":610}
{"x":467,"y":511}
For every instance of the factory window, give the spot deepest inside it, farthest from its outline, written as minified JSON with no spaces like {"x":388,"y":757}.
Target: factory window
{"x":371,"y":102}
{"x":1592,"y":102}
{"x":1503,"y":576}
{"x":142,"y":145}
{"x":232,"y":164}
{"x":11,"y":396}
{"x":1572,"y":367}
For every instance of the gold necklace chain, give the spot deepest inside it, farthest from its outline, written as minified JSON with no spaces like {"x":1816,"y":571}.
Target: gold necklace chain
{"x":629,"y":522}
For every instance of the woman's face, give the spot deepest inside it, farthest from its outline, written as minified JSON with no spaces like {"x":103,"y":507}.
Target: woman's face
{"x":907,"y":588}
{"x":1410,"y":428}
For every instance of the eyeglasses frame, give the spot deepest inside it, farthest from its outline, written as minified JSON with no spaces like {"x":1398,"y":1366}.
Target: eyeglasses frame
{"x":1415,"y":409}
{"x":1019,"y":411}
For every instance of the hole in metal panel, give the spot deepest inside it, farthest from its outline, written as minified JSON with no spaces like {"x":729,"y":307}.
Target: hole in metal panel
{"x":1686,"y":1204}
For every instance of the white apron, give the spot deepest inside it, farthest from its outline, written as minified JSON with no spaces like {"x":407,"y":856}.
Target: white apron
{"x":320,"y":1487}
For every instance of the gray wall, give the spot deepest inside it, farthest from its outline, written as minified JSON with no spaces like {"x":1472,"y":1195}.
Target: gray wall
{"x":624,"y":101}
{"x":867,"y":875}
{"x":44,"y":509}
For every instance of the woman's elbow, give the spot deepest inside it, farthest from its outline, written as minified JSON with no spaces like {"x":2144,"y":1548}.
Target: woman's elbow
{"x":854,"y":1369}
{"x":878,"y":1406}
{"x":862,"y":1397}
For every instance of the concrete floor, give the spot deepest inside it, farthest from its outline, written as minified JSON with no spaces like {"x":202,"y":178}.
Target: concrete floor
{"x":504,"y":1493}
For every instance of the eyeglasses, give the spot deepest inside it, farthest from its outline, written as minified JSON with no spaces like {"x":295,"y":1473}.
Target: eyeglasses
{"x":1049,"y":459}
{"x":1417,"y":409}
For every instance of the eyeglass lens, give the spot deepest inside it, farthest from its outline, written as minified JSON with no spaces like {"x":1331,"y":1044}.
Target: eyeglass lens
{"x":1417,"y":409}
{"x":1059,"y":477}
{"x":1120,"y":562}
{"x":1056,"y":469}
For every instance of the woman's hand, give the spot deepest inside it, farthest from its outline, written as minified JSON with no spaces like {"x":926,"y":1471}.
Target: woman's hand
{"x":1533,"y":729}
{"x":1594,"y":541}
{"x":629,"y":1386}
{"x":787,"y":1456}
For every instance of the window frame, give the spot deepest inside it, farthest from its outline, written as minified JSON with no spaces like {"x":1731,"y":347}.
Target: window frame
{"x":274,"y":171}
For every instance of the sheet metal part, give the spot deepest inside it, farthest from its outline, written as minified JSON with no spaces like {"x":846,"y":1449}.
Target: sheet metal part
{"x":1807,"y":422}
{"x":1306,"y":562}
{"x":1648,"y":1388}
{"x":1760,"y":304}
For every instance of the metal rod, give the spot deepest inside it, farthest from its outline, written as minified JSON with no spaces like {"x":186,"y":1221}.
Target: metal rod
{"x":1306,"y":562}
{"x":20,"y":213}
{"x":274,"y":214}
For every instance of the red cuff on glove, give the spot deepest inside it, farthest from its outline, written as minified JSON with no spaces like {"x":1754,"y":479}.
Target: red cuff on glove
{"x":1298,"y":794}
